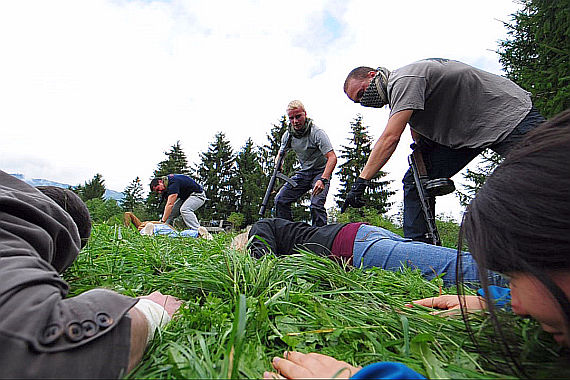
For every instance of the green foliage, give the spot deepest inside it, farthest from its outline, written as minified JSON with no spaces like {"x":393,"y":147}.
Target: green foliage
{"x":217,"y":175}
{"x":175,"y":163}
{"x":133,"y":199}
{"x":103,"y":210}
{"x":240,"y":312}
{"x":536,"y":53}
{"x":249,"y":175}
{"x":237,"y":219}
{"x":354,"y":158}
{"x":93,"y":189}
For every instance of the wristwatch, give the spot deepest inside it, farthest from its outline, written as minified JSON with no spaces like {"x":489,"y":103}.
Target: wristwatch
{"x":324,"y":180}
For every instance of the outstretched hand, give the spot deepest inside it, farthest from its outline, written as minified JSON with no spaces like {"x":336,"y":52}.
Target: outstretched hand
{"x":451,"y":302}
{"x":354,"y":196}
{"x":170,"y":303}
{"x":296,"y":365}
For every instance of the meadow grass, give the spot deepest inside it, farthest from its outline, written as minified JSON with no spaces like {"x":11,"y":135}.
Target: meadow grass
{"x":239,"y":312}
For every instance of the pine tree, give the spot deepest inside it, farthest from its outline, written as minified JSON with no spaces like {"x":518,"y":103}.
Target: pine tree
{"x":217,"y":174}
{"x":300,"y":209}
{"x":175,"y":163}
{"x":537,"y":52}
{"x":249,"y":176}
{"x":133,"y":200}
{"x":535,"y":56}
{"x":93,"y":189}
{"x":354,"y":157}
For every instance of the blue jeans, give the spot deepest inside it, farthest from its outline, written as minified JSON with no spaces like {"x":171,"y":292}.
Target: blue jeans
{"x":377,"y":247}
{"x":444,"y":162}
{"x":289,"y":194}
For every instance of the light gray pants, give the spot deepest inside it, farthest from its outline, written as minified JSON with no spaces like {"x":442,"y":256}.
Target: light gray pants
{"x":186,"y":208}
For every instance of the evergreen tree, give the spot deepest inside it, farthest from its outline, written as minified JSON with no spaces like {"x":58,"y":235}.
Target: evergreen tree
{"x":536,"y":53}
{"x":354,"y":157}
{"x":133,"y":199}
{"x":249,"y":176}
{"x":535,"y":56}
{"x":300,"y":209}
{"x":93,"y":189}
{"x":175,"y":163}
{"x":217,"y":175}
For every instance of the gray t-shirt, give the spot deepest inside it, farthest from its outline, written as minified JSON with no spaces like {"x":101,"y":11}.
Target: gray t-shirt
{"x":310,"y":149}
{"x":455,"y":104}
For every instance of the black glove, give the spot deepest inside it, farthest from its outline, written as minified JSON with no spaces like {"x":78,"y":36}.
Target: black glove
{"x":354,"y":196}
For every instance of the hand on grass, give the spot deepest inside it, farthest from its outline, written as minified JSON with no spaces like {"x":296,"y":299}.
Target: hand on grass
{"x":169,"y":303}
{"x":451,"y":302}
{"x":296,"y":365}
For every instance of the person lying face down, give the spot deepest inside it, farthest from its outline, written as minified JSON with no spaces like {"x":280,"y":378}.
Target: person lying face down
{"x":363,"y":246}
{"x":158,"y":228}
{"x":97,"y":334}
{"x":518,"y":224}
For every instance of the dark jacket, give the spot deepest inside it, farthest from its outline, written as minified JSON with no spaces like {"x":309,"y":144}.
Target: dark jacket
{"x":42,"y":334}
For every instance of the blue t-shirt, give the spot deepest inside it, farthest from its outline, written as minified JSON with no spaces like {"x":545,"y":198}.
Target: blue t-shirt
{"x":182,"y":185}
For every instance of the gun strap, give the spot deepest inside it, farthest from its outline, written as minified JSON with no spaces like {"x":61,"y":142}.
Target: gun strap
{"x":418,"y":157}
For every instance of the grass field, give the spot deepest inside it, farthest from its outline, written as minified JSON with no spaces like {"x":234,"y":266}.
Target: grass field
{"x":240,"y":312}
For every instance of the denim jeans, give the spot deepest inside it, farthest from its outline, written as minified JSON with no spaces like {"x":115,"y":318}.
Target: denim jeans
{"x":289,"y":194}
{"x":377,"y":247}
{"x":444,"y":162}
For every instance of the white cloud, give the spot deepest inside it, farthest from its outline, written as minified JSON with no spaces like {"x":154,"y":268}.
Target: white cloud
{"x":108,"y":86}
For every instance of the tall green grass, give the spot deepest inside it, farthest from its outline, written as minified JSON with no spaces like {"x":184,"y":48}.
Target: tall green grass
{"x":240,"y":312}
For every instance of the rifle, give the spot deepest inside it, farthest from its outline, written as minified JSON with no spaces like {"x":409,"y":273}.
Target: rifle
{"x":276,"y":174}
{"x":427,"y":191}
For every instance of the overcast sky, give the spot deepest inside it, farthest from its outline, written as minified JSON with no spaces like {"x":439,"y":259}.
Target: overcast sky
{"x":102,"y":86}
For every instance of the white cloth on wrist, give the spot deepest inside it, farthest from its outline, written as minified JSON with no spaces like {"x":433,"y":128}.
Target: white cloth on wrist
{"x":155,"y":315}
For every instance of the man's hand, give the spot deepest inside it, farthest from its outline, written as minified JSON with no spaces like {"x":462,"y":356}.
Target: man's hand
{"x":354,"y":196}
{"x":319,"y":186}
{"x":296,"y":365}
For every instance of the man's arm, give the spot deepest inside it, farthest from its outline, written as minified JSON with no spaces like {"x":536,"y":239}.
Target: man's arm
{"x":168,"y":208}
{"x":327,"y":173}
{"x":386,"y":144}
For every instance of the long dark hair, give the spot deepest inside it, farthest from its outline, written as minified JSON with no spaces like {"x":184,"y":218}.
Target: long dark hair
{"x":520,"y":219}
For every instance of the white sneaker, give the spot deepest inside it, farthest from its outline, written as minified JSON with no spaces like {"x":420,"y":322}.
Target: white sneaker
{"x":148,"y":229}
{"x":203,"y":233}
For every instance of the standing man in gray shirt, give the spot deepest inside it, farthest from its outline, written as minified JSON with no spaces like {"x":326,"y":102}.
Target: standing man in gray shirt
{"x":454,"y":110}
{"x":317,"y":158}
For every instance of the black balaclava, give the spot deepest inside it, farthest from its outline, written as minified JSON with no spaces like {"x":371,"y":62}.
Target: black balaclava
{"x":375,"y":94}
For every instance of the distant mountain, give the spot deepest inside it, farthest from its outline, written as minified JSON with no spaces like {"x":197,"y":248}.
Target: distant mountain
{"x":109,"y":194}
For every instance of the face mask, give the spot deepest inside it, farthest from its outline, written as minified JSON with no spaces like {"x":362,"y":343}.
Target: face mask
{"x":298,"y":133}
{"x":375,"y":94}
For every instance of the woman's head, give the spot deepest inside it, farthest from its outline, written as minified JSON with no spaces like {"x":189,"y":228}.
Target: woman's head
{"x":519,"y":224}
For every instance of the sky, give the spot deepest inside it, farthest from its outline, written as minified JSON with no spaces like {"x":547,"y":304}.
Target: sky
{"x":108,"y":86}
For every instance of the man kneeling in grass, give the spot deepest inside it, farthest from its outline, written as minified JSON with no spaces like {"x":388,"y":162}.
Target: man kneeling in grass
{"x":361,"y":245}
{"x":97,"y":334}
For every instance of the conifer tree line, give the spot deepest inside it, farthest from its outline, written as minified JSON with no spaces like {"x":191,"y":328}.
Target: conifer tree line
{"x":235,"y":181}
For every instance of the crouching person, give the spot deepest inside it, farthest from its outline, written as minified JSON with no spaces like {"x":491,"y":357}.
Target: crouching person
{"x":97,"y":334}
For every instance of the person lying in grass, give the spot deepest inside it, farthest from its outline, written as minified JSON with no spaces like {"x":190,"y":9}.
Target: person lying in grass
{"x":361,"y":245}
{"x":519,"y":225}
{"x":158,"y":228}
{"x":97,"y":334}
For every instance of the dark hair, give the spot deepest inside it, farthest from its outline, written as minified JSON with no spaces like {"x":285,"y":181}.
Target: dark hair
{"x":154,"y":183}
{"x":74,"y":206}
{"x":358,"y":73}
{"x":519,"y":220}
